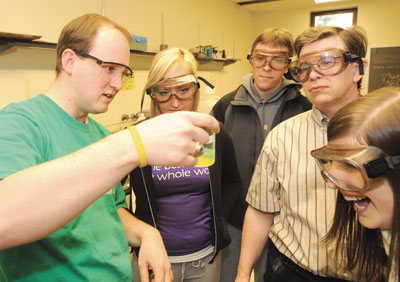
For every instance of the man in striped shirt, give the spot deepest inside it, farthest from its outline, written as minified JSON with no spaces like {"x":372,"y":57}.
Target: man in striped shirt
{"x":288,"y":199}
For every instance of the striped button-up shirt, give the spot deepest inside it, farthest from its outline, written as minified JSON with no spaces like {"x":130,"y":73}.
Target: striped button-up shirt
{"x":288,"y":183}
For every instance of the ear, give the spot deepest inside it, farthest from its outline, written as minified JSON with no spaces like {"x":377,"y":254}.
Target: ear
{"x":68,"y":59}
{"x":357,"y":75}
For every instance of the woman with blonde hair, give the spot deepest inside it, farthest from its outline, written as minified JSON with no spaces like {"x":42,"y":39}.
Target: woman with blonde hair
{"x":362,"y":161}
{"x":188,"y":205}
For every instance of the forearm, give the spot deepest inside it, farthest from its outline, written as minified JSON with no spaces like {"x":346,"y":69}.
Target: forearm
{"x":254,"y":237}
{"x":39,"y":200}
{"x":152,"y":254}
{"x":136,"y":229}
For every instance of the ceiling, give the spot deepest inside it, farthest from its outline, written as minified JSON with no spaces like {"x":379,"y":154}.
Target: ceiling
{"x":260,"y":6}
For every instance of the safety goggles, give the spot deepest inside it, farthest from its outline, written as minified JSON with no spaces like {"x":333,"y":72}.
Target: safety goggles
{"x":330,"y":62}
{"x":183,"y":88}
{"x":350,"y":167}
{"x":110,"y":70}
{"x":277,"y":61}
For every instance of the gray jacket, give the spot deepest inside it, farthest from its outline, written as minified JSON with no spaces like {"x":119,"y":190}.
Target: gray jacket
{"x":239,"y":114}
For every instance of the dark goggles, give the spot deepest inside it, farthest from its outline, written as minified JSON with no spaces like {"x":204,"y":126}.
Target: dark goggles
{"x":330,"y":62}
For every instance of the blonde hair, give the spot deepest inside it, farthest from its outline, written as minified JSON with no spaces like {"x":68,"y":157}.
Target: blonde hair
{"x":166,"y":61}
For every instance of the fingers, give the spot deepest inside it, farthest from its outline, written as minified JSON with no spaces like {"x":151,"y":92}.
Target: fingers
{"x":169,"y":276}
{"x":160,"y":274}
{"x":203,"y":120}
{"x":144,"y":273}
{"x":170,"y":139}
{"x":163,"y":275}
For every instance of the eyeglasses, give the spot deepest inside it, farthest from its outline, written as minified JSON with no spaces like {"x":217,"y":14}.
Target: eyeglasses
{"x":112,"y":69}
{"x":349,"y":168}
{"x":183,"y":88}
{"x":331,"y":62}
{"x":276,"y":61}
{"x":183,"y":92}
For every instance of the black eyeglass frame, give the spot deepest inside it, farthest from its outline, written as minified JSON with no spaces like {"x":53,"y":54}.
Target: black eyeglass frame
{"x":101,"y":62}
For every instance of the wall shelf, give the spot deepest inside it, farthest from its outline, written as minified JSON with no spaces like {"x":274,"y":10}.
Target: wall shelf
{"x":22,"y":54}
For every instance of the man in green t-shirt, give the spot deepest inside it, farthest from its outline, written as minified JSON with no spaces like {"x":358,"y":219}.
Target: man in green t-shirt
{"x":62,"y":209}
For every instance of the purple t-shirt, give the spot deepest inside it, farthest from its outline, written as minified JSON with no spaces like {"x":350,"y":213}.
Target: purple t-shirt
{"x":184,"y":208}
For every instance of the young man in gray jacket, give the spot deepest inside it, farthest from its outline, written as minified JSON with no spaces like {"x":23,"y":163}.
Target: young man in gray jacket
{"x":264,"y":99}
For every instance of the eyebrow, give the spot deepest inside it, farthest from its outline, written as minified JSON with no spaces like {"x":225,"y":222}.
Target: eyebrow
{"x":100,"y":61}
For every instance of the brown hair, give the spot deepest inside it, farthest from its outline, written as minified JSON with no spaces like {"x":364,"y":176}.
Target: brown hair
{"x":374,"y":118}
{"x":354,"y":38}
{"x":80,"y":34}
{"x":275,"y":37}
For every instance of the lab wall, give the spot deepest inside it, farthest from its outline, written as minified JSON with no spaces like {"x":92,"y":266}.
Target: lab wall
{"x":379,"y":18}
{"x":177,"y":23}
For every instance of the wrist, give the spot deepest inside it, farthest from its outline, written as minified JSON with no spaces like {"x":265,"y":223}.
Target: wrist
{"x":137,"y":140}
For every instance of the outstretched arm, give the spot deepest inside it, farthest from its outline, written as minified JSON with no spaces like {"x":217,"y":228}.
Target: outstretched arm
{"x":37,"y":201}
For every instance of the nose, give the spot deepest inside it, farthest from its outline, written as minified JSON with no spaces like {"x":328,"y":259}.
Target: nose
{"x":267,"y":66}
{"x":116,"y":82}
{"x":313,"y":75}
{"x":175,"y":101}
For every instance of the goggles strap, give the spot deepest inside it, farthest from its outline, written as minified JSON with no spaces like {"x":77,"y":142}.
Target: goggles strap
{"x":381,"y":166}
{"x":394,"y":161}
{"x":354,"y":58}
{"x":205,"y":82}
{"x":141,"y":102}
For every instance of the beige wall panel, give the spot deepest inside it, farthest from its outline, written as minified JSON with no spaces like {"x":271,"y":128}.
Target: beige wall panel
{"x":222,"y":24}
{"x":378,"y":17}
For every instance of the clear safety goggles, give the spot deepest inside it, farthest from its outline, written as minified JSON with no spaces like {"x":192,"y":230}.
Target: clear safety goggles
{"x":183,"y":88}
{"x":276,"y":60}
{"x":329,"y":62}
{"x":350,"y":167}
{"x":111,"y":70}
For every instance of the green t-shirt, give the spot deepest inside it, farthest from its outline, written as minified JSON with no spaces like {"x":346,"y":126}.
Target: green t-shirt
{"x":93,"y":246}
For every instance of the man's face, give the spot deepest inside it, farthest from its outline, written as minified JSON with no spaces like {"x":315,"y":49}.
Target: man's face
{"x":330,"y":93}
{"x":97,"y":85}
{"x":266,"y":79}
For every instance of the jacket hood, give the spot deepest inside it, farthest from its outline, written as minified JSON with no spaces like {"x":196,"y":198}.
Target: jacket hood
{"x":248,"y":84}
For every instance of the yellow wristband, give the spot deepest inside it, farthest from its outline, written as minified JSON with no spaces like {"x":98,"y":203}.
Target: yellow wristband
{"x":139,"y":145}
